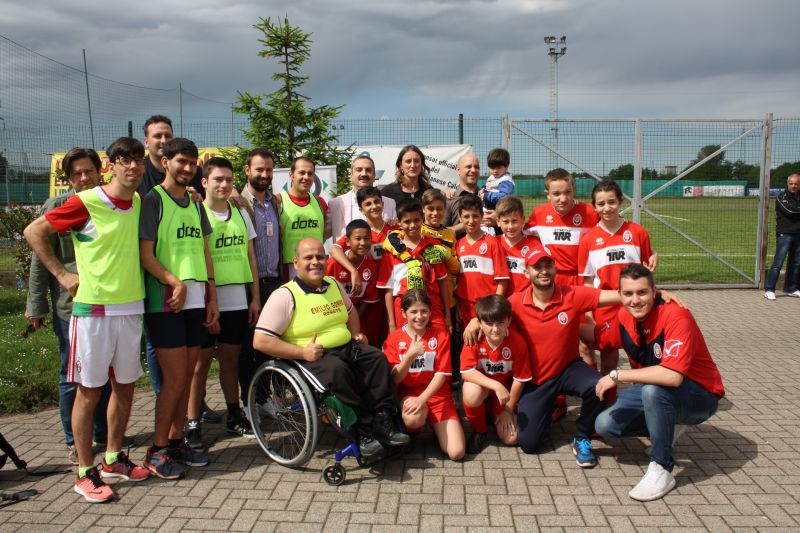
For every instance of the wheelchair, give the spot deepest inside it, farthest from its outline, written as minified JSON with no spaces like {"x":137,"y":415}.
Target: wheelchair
{"x":285,"y":405}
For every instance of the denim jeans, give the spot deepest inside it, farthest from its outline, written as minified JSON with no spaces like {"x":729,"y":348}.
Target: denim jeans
{"x":67,"y":391}
{"x":152,"y":364}
{"x":786,"y":244}
{"x":653,"y":410}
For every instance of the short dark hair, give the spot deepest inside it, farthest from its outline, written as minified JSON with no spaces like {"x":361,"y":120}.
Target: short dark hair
{"x":493,"y":308}
{"x":258,"y":152}
{"x":607,"y":186}
{"x":355,"y":224}
{"x":367,"y":192}
{"x":433,"y":195}
{"x":362,"y":155}
{"x":637,"y":271}
{"x":557,"y":174}
{"x":180,"y":145}
{"x":216,"y":162}
{"x":125,"y":147}
{"x":155,"y":119}
{"x":508,"y":205}
{"x":413,"y":296}
{"x":79,"y":153}
{"x":408,"y":205}
{"x":470,"y":202}
{"x":498,"y":157}
{"x":301,"y":158}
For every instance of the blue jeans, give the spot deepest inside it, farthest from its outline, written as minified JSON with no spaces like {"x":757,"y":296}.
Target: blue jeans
{"x":67,"y":391}
{"x":152,"y":364}
{"x":653,"y":410}
{"x":785,"y":245}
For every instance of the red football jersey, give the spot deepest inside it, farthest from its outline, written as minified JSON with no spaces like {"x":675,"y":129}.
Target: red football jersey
{"x":369,"y":277}
{"x":435,"y":359}
{"x":562,"y":234}
{"x":483,"y":264}
{"x":510,"y":361}
{"x":377,"y":241}
{"x":393,"y":271}
{"x":602,"y":255}
{"x":552,"y":333}
{"x":515,"y":258}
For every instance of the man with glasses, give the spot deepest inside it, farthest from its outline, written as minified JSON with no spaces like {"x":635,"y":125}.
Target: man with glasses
{"x":106,"y":325}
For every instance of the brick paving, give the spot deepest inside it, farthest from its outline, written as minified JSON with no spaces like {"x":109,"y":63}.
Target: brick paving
{"x":736,"y":472}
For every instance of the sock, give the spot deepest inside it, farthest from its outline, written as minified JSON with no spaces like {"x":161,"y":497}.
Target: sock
{"x":174,"y":443}
{"x":561,"y":401}
{"x":476,"y":417}
{"x":111,"y":457}
{"x":83,"y":470}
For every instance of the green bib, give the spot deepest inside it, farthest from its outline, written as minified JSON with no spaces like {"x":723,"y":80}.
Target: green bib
{"x":107,"y":253}
{"x":320,"y":313}
{"x":298,"y":223}
{"x":228,"y":245}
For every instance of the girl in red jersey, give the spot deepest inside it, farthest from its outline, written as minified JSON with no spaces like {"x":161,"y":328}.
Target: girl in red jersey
{"x":420,"y":359}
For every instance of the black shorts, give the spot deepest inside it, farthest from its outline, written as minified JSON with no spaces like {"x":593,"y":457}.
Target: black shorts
{"x":233,"y":328}
{"x":173,"y":330}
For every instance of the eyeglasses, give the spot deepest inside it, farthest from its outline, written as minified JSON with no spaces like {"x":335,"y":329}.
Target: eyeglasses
{"x":126,"y":161}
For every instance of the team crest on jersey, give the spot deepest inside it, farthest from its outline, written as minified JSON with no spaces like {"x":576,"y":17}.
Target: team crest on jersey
{"x":483,"y":248}
{"x":366,"y":274}
{"x":432,"y":343}
{"x":506,"y":352}
{"x":627,"y":236}
{"x":577,"y":219}
{"x":343,"y":274}
{"x":672,"y":348}
{"x":461,"y":248}
{"x":402,"y":345}
{"x":562,"y":318}
{"x":657,"y":350}
{"x":524,"y":251}
{"x":482,"y":350}
{"x":599,"y":241}
{"x":549,"y":219}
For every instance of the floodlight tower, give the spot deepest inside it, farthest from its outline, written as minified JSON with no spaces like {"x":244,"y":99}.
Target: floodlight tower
{"x":556,"y":48}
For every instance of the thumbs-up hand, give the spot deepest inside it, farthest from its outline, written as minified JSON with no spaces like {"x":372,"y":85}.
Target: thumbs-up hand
{"x":313,"y":351}
{"x":416,"y":348}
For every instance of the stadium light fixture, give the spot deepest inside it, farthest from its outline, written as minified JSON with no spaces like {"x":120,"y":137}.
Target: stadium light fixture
{"x":556,"y":48}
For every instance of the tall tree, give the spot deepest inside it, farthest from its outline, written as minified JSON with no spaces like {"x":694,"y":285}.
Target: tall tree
{"x":281,"y":121}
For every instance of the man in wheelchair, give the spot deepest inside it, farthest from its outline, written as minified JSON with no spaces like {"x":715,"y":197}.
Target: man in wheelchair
{"x":310,"y":319}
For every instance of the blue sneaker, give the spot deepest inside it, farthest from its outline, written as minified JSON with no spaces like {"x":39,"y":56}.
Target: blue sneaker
{"x":582,"y":449}
{"x":159,"y":462}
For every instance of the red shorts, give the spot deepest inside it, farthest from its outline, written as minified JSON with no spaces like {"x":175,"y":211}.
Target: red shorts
{"x":467,"y":311}
{"x":440,"y":406}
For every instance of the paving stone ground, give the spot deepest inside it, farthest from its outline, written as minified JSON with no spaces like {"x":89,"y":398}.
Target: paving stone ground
{"x":736,"y":472}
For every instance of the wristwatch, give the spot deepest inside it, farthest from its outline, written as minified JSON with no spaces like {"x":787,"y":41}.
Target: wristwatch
{"x":614,"y":375}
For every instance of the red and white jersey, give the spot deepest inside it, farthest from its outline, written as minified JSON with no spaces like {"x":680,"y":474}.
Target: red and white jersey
{"x":562,"y":234}
{"x":435,"y":359}
{"x":377,"y":241}
{"x":509,"y":361}
{"x":483,"y":265}
{"x":515,"y":258}
{"x":368,"y":269}
{"x":602,"y":255}
{"x":393,"y":273}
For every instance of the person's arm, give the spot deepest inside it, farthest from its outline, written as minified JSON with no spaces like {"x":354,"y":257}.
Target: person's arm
{"x":472,"y":332}
{"x":354,"y":325}
{"x":516,"y":393}
{"x":504,"y":188}
{"x":400,"y":371}
{"x":502,"y":285}
{"x":151,"y":263}
{"x":37,"y":305}
{"x":212,"y":308}
{"x":445,"y":296}
{"x":37,"y":233}
{"x":650,"y":375}
{"x":337,"y":253}
{"x":479,"y":378}
{"x":277,"y":347}
{"x":389,"y":301}
{"x":255,"y":290}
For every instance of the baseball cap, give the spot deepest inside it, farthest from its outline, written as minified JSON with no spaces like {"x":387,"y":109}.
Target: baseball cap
{"x":536,"y":253}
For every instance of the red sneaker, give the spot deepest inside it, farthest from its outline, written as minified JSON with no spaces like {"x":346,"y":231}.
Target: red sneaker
{"x":123,"y":468}
{"x":93,"y":489}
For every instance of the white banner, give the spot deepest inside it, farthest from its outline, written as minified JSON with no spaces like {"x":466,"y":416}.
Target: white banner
{"x":713,"y":190}
{"x":324,"y":181}
{"x":441,"y":159}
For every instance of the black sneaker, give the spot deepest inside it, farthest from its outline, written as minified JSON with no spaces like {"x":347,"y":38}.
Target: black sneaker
{"x":194,"y":435}
{"x":476,"y":443}
{"x":239,"y":425}
{"x":207,"y":415}
{"x":370,"y":448}
{"x":385,"y":431}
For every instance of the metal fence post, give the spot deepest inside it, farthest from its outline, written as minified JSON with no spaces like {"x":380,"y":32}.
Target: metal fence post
{"x":180,"y":105}
{"x":762,"y":235}
{"x":637,"y":171}
{"x":505,"y":125}
{"x":461,"y":128}
{"x":130,"y":128}
{"x":88,"y":98}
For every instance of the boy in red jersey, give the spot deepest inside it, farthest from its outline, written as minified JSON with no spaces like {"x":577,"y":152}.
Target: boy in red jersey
{"x":397,"y":276}
{"x":606,"y":249}
{"x":419,"y":355}
{"x":483,"y":267}
{"x":515,"y":244}
{"x":495,"y":371}
{"x":358,"y":246}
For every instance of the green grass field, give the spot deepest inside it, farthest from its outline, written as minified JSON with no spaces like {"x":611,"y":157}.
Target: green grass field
{"x":726,"y":226}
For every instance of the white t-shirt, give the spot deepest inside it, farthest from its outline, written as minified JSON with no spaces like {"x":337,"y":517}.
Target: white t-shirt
{"x":234,"y":297}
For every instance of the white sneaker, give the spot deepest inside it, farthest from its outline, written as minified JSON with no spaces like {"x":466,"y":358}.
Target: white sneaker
{"x":655,"y":484}
{"x":769,"y":295}
{"x":795,"y":294}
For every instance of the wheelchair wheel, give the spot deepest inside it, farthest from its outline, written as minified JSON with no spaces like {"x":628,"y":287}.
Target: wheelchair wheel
{"x":334,"y":474}
{"x":283,"y":412}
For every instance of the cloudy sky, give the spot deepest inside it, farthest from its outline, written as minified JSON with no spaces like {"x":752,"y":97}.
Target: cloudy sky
{"x":414,"y":58}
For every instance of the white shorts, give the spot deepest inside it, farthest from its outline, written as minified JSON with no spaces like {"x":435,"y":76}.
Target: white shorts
{"x":99,"y":345}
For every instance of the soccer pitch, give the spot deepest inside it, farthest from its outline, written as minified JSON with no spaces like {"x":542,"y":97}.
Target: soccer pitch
{"x":726,"y":226}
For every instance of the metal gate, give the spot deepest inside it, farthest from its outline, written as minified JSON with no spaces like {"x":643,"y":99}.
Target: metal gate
{"x":691,"y":183}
